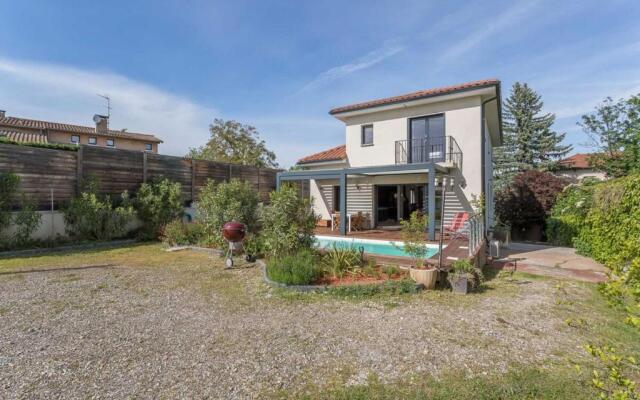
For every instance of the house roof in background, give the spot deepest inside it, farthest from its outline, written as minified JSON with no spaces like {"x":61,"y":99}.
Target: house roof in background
{"x":577,"y":161}
{"x":420,"y":94}
{"x":26,"y":123}
{"x":337,"y":153}
{"x":23,"y":137}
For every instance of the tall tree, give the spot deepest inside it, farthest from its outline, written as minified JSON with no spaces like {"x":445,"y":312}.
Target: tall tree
{"x":614,"y":133}
{"x":234,"y":142}
{"x":529,"y":140}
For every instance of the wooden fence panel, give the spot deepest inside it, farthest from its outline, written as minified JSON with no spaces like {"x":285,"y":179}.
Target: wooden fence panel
{"x":65,"y":171}
{"x":115,"y":170}
{"x":41,"y":170}
{"x":176,"y":169}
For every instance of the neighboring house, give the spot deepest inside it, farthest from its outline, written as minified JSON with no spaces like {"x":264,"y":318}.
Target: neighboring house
{"x":577,"y":167}
{"x":399,"y":150}
{"x":30,"y":130}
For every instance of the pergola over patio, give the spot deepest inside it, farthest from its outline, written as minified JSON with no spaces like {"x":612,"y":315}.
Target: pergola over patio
{"x":341,"y":174}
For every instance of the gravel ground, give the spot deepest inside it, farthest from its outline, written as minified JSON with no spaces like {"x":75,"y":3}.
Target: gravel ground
{"x":115,"y":331}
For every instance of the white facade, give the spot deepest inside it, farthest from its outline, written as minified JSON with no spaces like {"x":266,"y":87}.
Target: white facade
{"x":468,"y":115}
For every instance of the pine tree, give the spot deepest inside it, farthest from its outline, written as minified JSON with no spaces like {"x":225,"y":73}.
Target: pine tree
{"x":529,"y":141}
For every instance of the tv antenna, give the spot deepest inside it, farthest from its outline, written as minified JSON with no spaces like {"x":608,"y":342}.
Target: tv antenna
{"x":108,"y":99}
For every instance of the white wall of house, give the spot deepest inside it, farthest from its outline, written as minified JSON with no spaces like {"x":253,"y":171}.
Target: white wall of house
{"x":463,"y":121}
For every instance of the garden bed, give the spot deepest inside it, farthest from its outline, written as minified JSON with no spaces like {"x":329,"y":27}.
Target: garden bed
{"x":328,"y":283}
{"x":376,"y":275}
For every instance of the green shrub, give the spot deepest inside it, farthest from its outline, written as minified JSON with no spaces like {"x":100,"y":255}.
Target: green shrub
{"x":562,"y":230}
{"x":390,"y":270}
{"x":254,"y":245}
{"x":178,"y":233}
{"x":229,"y":201}
{"x":341,"y":259}
{"x":158,"y":203}
{"x":300,"y":268}
{"x":8,"y":186}
{"x":90,"y":217}
{"x":288,"y":222}
{"x":27,"y":221}
{"x":58,"y":146}
{"x":569,"y":213}
{"x":527,"y":201}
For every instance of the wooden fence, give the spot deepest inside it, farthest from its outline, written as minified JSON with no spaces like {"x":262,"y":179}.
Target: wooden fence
{"x":55,"y":176}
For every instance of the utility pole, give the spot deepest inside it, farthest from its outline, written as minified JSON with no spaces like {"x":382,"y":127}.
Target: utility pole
{"x":108,"y":99}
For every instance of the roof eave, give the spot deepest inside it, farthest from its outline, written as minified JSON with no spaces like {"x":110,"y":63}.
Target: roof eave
{"x":339,"y":111}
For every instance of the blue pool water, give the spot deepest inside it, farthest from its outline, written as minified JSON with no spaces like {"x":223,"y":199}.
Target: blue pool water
{"x":380,"y":247}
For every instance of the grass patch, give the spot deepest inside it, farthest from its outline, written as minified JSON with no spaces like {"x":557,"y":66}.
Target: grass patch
{"x":388,"y":288}
{"x":520,"y":383}
{"x":135,"y":255}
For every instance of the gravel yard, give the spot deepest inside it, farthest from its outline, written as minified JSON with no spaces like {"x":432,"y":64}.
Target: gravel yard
{"x":141,"y":322}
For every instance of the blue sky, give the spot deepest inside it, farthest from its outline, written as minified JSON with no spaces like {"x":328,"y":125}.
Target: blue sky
{"x":171,"y":67}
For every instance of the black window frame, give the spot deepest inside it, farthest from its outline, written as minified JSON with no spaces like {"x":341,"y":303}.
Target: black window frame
{"x":76,"y":141}
{"x":113,"y":143}
{"x":95,"y":141}
{"x":362,"y":129}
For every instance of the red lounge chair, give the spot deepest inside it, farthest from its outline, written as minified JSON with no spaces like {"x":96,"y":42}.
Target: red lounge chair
{"x":459,"y":220}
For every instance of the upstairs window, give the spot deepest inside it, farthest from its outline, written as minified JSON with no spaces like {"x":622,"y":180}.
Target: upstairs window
{"x":367,"y":135}
{"x":75,"y":139}
{"x":148,"y":146}
{"x":93,"y":141}
{"x":111,"y":143}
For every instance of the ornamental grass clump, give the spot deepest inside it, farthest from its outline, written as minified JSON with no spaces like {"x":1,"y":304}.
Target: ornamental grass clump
{"x":339,"y":260}
{"x":300,"y":268}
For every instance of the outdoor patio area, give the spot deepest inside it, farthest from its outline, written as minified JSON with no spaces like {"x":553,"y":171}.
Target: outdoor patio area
{"x":374,"y":234}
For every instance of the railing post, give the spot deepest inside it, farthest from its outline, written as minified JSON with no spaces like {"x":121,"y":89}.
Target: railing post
{"x":427,"y":151}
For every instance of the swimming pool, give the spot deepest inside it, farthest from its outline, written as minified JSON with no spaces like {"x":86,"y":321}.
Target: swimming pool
{"x":379,"y":247}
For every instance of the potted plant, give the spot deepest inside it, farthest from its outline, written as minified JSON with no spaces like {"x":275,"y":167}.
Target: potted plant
{"x":414,"y":238}
{"x":463,"y":276}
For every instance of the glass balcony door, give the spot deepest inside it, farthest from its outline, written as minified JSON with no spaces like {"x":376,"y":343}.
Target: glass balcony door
{"x":426,"y":139}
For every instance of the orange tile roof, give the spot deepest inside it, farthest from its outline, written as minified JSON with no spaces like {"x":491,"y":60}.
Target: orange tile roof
{"x":26,"y":123}
{"x":577,"y":161}
{"x":416,"y":95}
{"x":24,"y":137}
{"x":334,"y":154}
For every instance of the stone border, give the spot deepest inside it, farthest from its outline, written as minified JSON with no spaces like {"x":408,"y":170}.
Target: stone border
{"x":58,"y":249}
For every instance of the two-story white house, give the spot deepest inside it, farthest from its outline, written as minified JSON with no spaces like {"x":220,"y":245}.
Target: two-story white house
{"x":401,"y":152}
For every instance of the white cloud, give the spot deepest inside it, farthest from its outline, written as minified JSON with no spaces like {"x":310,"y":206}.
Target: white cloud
{"x":488,"y":27}
{"x":65,"y":94}
{"x":368,"y":60}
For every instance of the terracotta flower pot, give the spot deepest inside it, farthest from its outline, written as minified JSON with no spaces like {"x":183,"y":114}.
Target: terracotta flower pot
{"x":427,"y":277}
